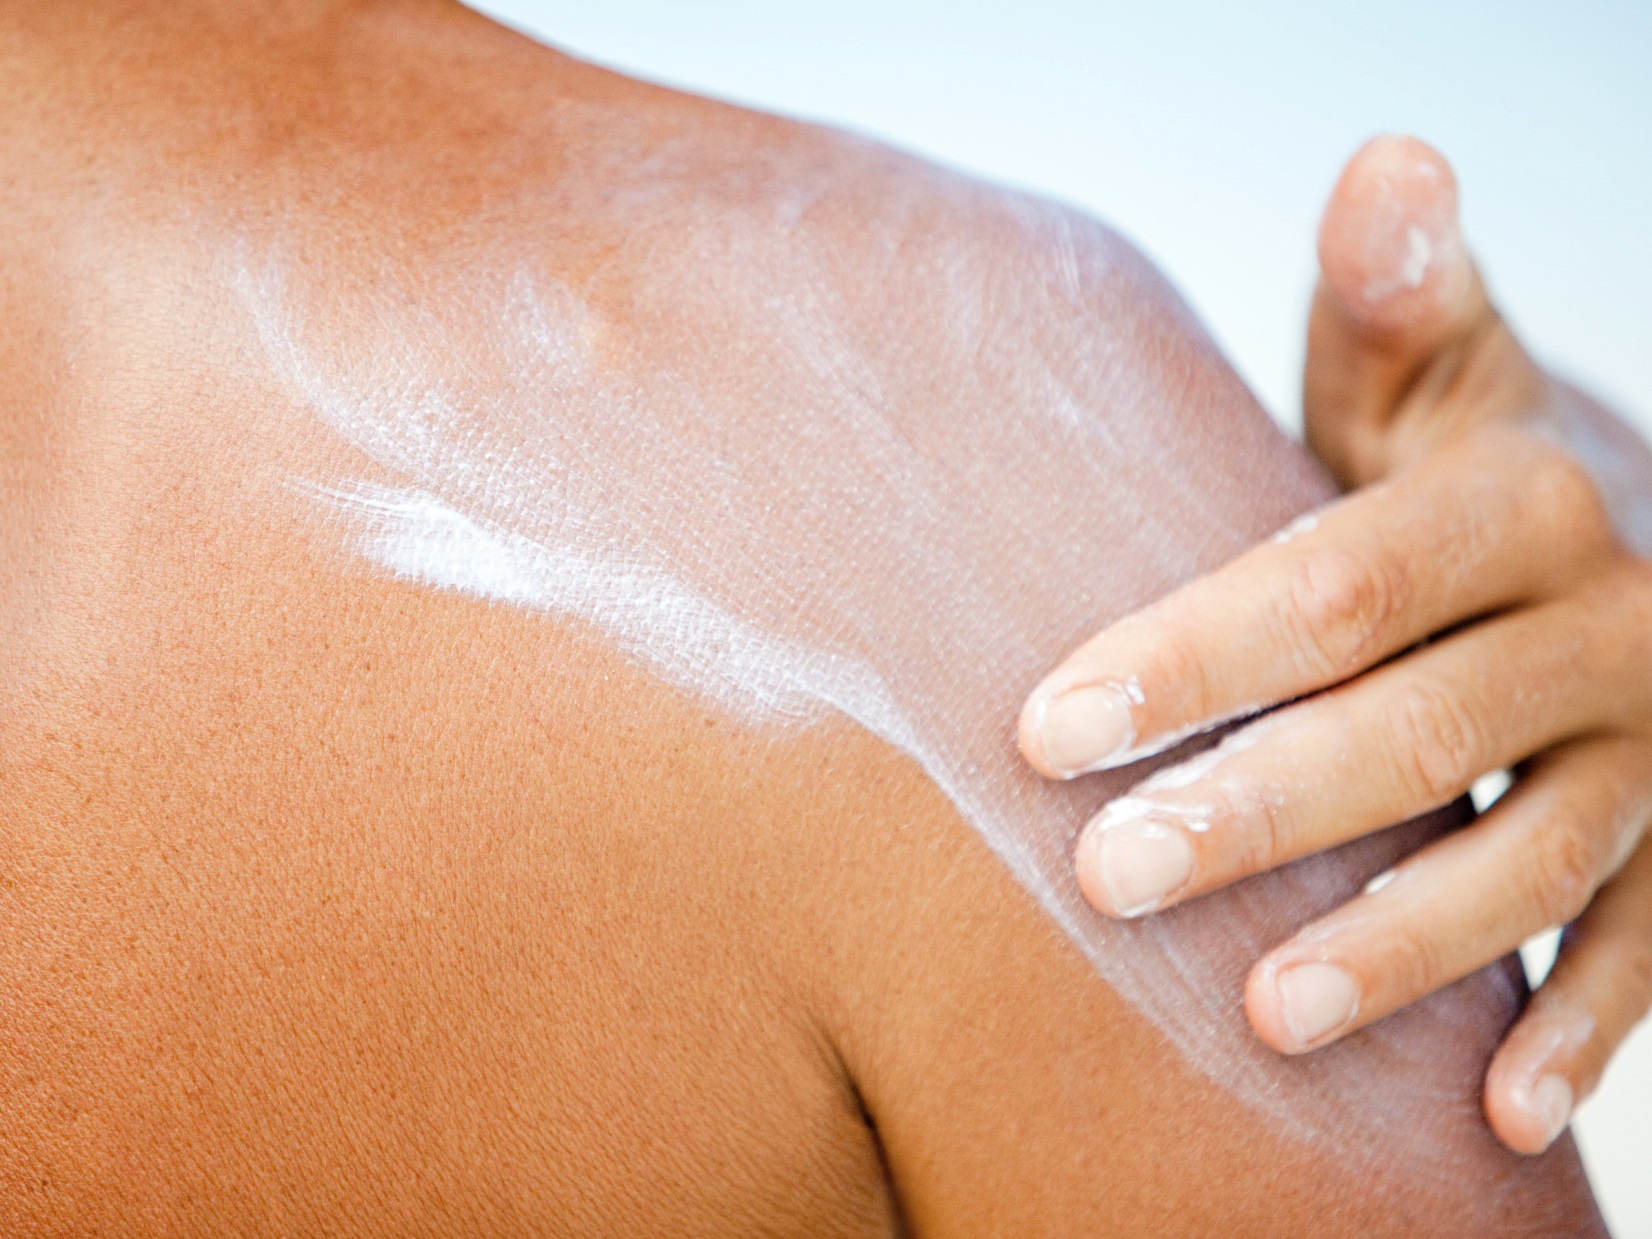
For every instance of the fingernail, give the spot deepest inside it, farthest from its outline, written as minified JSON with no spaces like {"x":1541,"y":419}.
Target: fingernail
{"x":1411,"y":254}
{"x":1316,"y":999}
{"x":1550,"y":1101}
{"x":1411,"y":226}
{"x":1086,"y":729}
{"x":1141,"y":863}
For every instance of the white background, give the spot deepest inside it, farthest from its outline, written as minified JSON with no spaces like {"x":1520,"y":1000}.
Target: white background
{"x":1210,"y":133}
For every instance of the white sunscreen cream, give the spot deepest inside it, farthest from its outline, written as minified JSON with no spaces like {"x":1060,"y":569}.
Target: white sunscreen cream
{"x":806,"y":460}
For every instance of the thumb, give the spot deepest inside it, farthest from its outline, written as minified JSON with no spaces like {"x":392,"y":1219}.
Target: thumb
{"x":1399,"y":312}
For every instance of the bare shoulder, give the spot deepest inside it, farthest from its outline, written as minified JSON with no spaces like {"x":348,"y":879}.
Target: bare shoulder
{"x":523,"y":588}
{"x":334,"y":901}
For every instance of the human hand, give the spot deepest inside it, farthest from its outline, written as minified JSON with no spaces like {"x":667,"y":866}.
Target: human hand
{"x":1475,"y":606}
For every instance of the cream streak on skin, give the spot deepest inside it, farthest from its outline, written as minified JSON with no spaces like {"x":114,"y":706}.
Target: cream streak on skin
{"x":805,"y":465}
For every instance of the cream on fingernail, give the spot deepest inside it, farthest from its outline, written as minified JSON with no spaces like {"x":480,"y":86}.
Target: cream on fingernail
{"x":1412,"y":231}
{"x":1142,"y":863}
{"x":1085,"y":729}
{"x":1316,"y":1000}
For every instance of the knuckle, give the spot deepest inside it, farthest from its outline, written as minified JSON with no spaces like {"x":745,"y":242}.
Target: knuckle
{"x":1269,"y":840}
{"x":1635,"y":976}
{"x":1416,"y":963}
{"x":1434,"y":742}
{"x":1338,"y":604}
{"x":1179,"y":666}
{"x":1633,"y":588}
{"x":1562,"y":489}
{"x":1565,"y":869}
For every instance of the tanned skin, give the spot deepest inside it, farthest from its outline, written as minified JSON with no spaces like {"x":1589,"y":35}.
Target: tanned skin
{"x":333,"y":904}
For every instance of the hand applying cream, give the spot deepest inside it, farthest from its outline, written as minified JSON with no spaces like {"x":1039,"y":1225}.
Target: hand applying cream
{"x":1480,"y":601}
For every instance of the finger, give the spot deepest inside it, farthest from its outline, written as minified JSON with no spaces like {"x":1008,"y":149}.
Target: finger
{"x":1396,"y":273}
{"x":1474,"y":528}
{"x":1534,"y":860}
{"x":1400,"y":319}
{"x":1395,"y":743}
{"x":1599,"y":989}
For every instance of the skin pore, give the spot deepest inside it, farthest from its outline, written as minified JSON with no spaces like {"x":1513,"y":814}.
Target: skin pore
{"x":363,"y":875}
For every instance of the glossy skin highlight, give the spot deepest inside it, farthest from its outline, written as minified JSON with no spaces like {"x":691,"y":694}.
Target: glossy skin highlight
{"x":371,"y":870}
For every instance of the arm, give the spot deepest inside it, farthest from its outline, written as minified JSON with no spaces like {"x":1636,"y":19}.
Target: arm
{"x":1013,"y":1087}
{"x":1014,"y":1093}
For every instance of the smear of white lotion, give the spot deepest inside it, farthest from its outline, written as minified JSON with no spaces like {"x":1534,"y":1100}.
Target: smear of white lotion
{"x":875,"y":554}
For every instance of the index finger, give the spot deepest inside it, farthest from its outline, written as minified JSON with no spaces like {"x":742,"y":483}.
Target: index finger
{"x":1473,"y":528}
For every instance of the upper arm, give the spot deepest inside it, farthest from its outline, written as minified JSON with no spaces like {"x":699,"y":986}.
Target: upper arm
{"x":1032,"y":1066}
{"x":1015,"y":1092}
